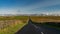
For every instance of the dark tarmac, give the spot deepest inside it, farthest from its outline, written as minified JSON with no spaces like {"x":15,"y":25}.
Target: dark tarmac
{"x":31,"y":28}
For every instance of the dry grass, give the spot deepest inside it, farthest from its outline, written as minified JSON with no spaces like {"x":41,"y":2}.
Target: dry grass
{"x":11,"y":24}
{"x":34,"y":18}
{"x":46,"y":18}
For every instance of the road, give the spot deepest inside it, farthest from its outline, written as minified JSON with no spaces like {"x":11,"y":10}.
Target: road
{"x":47,"y":30}
{"x":31,"y":28}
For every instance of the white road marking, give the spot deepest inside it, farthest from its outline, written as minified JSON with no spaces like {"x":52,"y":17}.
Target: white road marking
{"x":42,"y":33}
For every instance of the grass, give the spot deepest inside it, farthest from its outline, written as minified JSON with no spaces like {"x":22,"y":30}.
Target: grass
{"x":45,"y":18}
{"x":14,"y":28}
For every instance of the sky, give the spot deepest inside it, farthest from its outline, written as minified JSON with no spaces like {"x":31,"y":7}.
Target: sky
{"x":29,"y":6}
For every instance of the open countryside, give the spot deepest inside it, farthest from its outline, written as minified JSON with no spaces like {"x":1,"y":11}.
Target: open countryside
{"x":11,"y":24}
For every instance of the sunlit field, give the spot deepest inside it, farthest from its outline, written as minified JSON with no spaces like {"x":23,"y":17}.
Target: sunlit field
{"x":10,"y":27}
{"x":11,"y":24}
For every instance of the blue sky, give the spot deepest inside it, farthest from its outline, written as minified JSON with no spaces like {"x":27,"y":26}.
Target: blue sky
{"x":29,"y":6}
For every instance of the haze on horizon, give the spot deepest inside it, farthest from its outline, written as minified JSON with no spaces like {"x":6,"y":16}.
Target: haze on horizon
{"x":29,"y":6}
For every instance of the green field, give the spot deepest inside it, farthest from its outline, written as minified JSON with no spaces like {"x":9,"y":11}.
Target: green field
{"x":11,"y":29}
{"x":11,"y":24}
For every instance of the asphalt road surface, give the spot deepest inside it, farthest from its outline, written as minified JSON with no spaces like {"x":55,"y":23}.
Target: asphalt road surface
{"x":31,"y":28}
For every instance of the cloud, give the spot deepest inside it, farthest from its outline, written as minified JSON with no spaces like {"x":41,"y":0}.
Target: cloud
{"x":44,"y":4}
{"x":8,"y":11}
{"x":32,"y":8}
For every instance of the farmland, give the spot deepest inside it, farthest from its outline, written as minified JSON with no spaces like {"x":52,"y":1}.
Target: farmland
{"x":11,"y":24}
